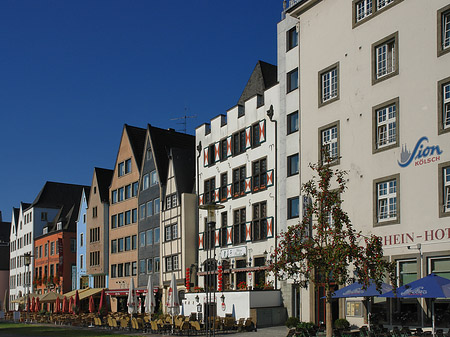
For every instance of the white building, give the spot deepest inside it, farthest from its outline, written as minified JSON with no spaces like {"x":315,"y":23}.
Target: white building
{"x":236,"y":169}
{"x":374,"y":90}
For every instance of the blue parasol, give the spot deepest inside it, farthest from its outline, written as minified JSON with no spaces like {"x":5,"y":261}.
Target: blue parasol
{"x":357,"y":290}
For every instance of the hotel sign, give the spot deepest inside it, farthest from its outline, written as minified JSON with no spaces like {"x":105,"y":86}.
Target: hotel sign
{"x":233,"y":252}
{"x":429,"y":235}
{"x":421,"y":155}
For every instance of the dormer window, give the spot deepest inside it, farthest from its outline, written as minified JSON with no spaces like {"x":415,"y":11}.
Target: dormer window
{"x":59,"y":226}
{"x":45,"y":230}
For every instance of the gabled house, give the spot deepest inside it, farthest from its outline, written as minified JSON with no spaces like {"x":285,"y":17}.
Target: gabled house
{"x":5,"y":228}
{"x":97,"y":229}
{"x":123,"y":228}
{"x":82,"y":277}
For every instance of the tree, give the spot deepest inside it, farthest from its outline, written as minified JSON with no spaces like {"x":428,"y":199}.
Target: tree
{"x":324,"y":247}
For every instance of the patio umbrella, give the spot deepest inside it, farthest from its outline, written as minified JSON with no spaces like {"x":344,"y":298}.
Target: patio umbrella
{"x":131,"y":300}
{"x":430,"y":286}
{"x":70,"y":304}
{"x":57,"y":305}
{"x":149,"y":303}
{"x":33,"y":304}
{"x":65,"y":305}
{"x":5,"y":301}
{"x":76,"y":302}
{"x":38,"y":305}
{"x":102,"y":301}
{"x":91,"y":304}
{"x":173,"y":301}
{"x":28,"y":307}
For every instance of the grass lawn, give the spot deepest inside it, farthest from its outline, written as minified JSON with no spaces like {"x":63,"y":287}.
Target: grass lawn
{"x":19,"y":329}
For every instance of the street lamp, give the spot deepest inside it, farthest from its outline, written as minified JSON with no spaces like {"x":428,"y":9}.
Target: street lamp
{"x":27,"y":262}
{"x":211,"y":208}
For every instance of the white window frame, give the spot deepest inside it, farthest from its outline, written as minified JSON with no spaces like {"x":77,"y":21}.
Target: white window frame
{"x":446,"y":105}
{"x":175,"y":262}
{"x":386,"y":125}
{"x":364,"y":8}
{"x":329,"y":141}
{"x":145,"y":181}
{"x":385,"y":58}
{"x":169,"y":263}
{"x":329,"y":85}
{"x":446,"y":187}
{"x":445,"y":30}
{"x":153,"y":178}
{"x":387,"y":200}
{"x":383,"y":3}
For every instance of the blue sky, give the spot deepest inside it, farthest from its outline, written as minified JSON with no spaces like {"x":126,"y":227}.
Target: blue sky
{"x":73,"y":72}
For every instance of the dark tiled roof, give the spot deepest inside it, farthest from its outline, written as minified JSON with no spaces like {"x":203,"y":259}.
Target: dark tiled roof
{"x":162,"y":141}
{"x":104,"y":177}
{"x":56,"y":195}
{"x":137,"y":140}
{"x":184,"y":169}
{"x":263,"y":77}
{"x":5,"y":230}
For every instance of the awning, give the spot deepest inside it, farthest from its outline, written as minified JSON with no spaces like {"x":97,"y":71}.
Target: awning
{"x":73,"y":292}
{"x":50,"y":297}
{"x":236,"y":270}
{"x":89,"y":292}
{"x":22,"y":299}
{"x":124,"y":292}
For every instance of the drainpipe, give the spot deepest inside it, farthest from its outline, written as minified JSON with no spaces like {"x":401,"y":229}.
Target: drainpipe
{"x":275,"y":225}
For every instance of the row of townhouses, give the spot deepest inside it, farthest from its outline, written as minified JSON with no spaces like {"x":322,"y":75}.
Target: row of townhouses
{"x":368,"y":81}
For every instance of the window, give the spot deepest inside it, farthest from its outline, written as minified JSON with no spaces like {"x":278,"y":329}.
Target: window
{"x":385,"y":58}
{"x":134,"y":242}
{"x":440,"y":267}
{"x":292,"y":38}
{"x":329,"y":84}
{"x":142,"y":211}
{"x":121,"y":169}
{"x":113,"y":246}
{"x":239,"y":181}
{"x":407,"y":271}
{"x":156,"y":235}
{"x":43,"y":216}
{"x":209,"y":191}
{"x":168,"y":263}
{"x":120,"y":194}
{"x":292,"y":165}
{"x":383,"y":3}
{"x":292,"y":122}
{"x":120,"y":219}
{"x":94,"y":212}
{"x":127,"y":217}
{"x":145,"y":182}
{"x":259,"y":223}
{"x":223,"y":229}
{"x":385,"y":120}
{"x":142,"y":239}
{"x":135,"y":187}
{"x":120,"y":270}
{"x":114,"y":221}
{"x":172,"y":263}
{"x":255,"y":135}
{"x":444,"y":193}
{"x":127,"y":243}
{"x":52,"y":248}
{"x":443,"y":30}
{"x":113,"y":271}
{"x":156,"y":265}
{"x":329,"y":143}
{"x":134,"y":215}
{"x":444,"y":105}
{"x":133,"y":268}
{"x":81,"y":261}
{"x":120,"y":245}
{"x":156,"y":206}
{"x":149,"y":265}
{"x":238,"y":142}
{"x":153,"y":178}
{"x":46,"y":249}
{"x":142,"y":267}
{"x":114,"y":196}
{"x":167,"y":233}
{"x":149,"y":154}
{"x":128,"y":192}
{"x":293,"y":208}
{"x":386,"y":200}
{"x":127,"y":269}
{"x":292,"y":80}
{"x":223,"y":186}
{"x":363,"y":9}
{"x":127,"y":166}
{"x":223,"y":149}
{"x":81,"y":239}
{"x":174,"y":231}
{"x":149,"y":235}
{"x":239,"y":228}
{"x":259,"y":174}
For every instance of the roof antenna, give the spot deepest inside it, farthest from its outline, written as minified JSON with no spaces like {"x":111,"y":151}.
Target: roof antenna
{"x":184,"y":118}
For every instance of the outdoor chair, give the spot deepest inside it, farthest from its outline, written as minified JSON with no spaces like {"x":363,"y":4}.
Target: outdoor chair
{"x":196,"y":327}
{"x":123,"y":324}
{"x":240,"y":324}
{"x":249,"y":325}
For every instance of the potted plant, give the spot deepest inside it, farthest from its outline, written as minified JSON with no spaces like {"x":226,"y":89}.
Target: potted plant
{"x":242,"y":285}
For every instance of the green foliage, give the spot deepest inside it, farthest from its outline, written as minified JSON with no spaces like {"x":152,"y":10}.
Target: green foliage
{"x":341,"y":323}
{"x":306,"y":325}
{"x":292,"y":322}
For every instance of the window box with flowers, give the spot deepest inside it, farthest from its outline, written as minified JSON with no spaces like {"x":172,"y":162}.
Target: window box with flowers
{"x":242,"y":285}
{"x":198,"y":289}
{"x":55,"y":279}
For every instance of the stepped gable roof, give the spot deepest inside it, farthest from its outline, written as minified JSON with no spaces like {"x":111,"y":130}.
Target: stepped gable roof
{"x":263,"y":77}
{"x":104,"y":177}
{"x":184,"y":169}
{"x":162,"y":141}
{"x":56,"y":195}
{"x":137,"y":140}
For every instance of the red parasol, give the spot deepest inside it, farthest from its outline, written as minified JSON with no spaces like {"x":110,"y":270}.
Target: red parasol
{"x":70,"y":304}
{"x":57,"y":305}
{"x":65,"y":306}
{"x":91,"y":304}
{"x":28,"y":308}
{"x":37,"y":305}
{"x":33,"y":304}
{"x":76,"y":302}
{"x":102,"y":301}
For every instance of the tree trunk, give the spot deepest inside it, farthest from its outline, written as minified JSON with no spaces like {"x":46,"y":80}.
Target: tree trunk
{"x":328,"y":314}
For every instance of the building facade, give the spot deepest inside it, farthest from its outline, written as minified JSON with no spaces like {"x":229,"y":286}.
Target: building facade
{"x":82,"y":277}
{"x":97,"y":229}
{"x":379,"y":107}
{"x":236,"y":168}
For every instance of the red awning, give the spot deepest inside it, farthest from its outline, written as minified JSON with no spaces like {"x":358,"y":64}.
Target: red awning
{"x":236,"y":270}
